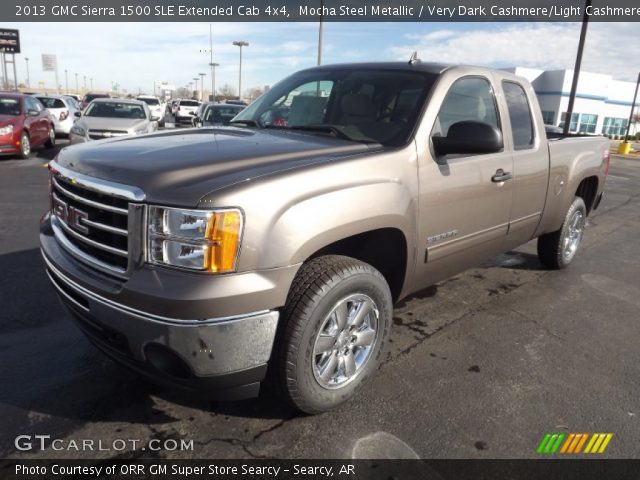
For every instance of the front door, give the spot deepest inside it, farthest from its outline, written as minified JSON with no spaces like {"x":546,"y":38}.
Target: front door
{"x":463,"y":208}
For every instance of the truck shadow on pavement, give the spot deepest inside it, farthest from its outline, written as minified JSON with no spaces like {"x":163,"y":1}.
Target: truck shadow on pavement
{"x":57,"y":377}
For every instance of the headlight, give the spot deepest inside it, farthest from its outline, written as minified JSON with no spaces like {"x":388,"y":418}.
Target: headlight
{"x":78,"y":130}
{"x":205,"y":240}
{"x":6,"y":130}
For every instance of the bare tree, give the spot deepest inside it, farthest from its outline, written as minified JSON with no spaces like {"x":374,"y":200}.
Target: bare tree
{"x":254,"y":93}
{"x":227,"y":91}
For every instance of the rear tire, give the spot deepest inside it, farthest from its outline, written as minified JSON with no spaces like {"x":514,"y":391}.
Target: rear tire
{"x":557,"y":249}
{"x":336,"y":323}
{"x":51,"y":141}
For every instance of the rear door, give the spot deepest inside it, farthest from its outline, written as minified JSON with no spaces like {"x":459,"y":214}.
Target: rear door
{"x":464,"y":211}
{"x":530,"y":163}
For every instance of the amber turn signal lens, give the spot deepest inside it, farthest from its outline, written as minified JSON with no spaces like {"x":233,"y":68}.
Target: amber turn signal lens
{"x":223,"y":233}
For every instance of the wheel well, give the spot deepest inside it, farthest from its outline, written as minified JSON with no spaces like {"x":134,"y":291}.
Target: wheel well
{"x":384,"y":249}
{"x":587,"y":191}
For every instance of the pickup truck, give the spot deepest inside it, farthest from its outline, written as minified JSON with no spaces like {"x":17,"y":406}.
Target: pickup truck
{"x":206,"y":258}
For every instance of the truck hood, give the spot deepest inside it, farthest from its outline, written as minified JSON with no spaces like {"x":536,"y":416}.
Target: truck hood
{"x":180,"y":167}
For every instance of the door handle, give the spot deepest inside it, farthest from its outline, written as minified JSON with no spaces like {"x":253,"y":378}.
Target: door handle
{"x":501,"y":176}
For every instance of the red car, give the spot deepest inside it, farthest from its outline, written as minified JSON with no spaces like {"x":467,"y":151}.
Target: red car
{"x":89,"y":97}
{"x":24,"y":123}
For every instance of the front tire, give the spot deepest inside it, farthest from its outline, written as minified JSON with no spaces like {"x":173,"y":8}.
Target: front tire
{"x":557,"y":249}
{"x":337,"y":321}
{"x":25,"y":146}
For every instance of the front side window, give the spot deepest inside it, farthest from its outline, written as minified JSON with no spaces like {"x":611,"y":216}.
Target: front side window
{"x":363,"y":105}
{"x":33,"y":104}
{"x":468,"y":99}
{"x":519,"y":115}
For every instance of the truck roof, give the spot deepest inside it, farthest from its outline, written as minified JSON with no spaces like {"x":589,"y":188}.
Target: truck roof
{"x":428,"y":67}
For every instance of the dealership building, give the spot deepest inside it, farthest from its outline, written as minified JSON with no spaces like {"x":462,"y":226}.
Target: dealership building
{"x":602,"y":104}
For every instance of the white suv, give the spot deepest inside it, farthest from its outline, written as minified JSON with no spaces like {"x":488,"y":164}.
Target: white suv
{"x":155,"y":106}
{"x":186,"y":110}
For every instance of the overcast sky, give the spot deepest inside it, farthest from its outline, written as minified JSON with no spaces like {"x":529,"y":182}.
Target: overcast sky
{"x":137,"y":54}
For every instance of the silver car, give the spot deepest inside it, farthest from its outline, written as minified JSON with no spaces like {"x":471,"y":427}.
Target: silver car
{"x":62,"y":111}
{"x":112,"y":117}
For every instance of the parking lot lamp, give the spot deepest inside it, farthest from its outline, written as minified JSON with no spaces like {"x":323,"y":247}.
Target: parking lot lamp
{"x":26,"y":59}
{"x":213,"y":79}
{"x":77,"y":91}
{"x":195,"y":80}
{"x":66,"y":80}
{"x":240,"y":43}
{"x":202,"y":86}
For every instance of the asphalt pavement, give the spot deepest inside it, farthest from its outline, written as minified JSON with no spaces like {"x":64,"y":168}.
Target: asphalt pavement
{"x":481,"y":365}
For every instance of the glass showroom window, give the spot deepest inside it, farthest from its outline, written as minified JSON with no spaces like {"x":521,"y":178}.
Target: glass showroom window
{"x":573,"y":126}
{"x":614,"y":126}
{"x":588,"y":123}
{"x":548,"y":117}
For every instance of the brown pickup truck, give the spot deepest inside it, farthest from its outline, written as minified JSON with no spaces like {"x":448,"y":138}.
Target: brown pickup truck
{"x":203,"y":258}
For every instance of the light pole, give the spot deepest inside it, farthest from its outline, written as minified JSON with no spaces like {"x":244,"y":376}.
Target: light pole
{"x":26,"y":59}
{"x":202,"y":86}
{"x":91,"y":80}
{"x":576,"y":71}
{"x":320,"y":28}
{"x":77,"y":90}
{"x":66,"y":80}
{"x":85,"y":82}
{"x":195,"y":79}
{"x":212,"y":65}
{"x":213,"y":79}
{"x":240,"y":43}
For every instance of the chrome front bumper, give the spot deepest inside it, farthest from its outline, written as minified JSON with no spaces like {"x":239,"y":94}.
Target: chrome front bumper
{"x":212,"y":354}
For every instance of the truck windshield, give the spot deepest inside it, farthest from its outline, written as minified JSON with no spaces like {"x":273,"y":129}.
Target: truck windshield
{"x":366,"y":105}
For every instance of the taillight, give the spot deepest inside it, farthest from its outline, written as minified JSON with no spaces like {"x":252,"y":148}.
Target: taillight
{"x":606,"y":158}
{"x":64,"y":114}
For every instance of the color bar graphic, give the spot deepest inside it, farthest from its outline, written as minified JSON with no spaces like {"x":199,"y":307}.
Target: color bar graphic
{"x":553,"y":443}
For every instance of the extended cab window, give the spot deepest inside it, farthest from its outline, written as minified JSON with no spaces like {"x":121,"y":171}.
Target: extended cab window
{"x":468,"y":99}
{"x":519,"y":115}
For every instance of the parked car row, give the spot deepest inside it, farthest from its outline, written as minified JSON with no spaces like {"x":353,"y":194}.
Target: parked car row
{"x":24,"y":123}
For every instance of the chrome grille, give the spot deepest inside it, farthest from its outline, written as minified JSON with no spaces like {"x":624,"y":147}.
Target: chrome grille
{"x":90,"y":219}
{"x":98,"y":134}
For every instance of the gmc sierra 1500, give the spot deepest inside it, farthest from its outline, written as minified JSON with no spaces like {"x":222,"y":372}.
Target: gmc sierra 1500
{"x":199,"y":257}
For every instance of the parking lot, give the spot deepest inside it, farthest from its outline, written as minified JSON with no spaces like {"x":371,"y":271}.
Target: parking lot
{"x":481,"y":365}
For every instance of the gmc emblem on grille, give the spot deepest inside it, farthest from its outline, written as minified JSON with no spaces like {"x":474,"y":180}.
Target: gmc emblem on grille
{"x":70,"y":215}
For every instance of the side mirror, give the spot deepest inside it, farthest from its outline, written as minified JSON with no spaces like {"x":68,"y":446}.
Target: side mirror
{"x":33,"y":113}
{"x":469,"y":137}
{"x":77,"y":114}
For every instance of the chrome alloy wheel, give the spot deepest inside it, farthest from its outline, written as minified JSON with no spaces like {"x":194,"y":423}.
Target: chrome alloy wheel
{"x":25,"y":145}
{"x":345,"y":341}
{"x":573,"y":236}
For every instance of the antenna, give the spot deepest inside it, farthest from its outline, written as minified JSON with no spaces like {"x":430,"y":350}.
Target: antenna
{"x":414,"y":58}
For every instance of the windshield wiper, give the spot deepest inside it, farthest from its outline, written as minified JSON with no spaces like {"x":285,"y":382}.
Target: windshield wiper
{"x":323,"y":128}
{"x":251,"y":123}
